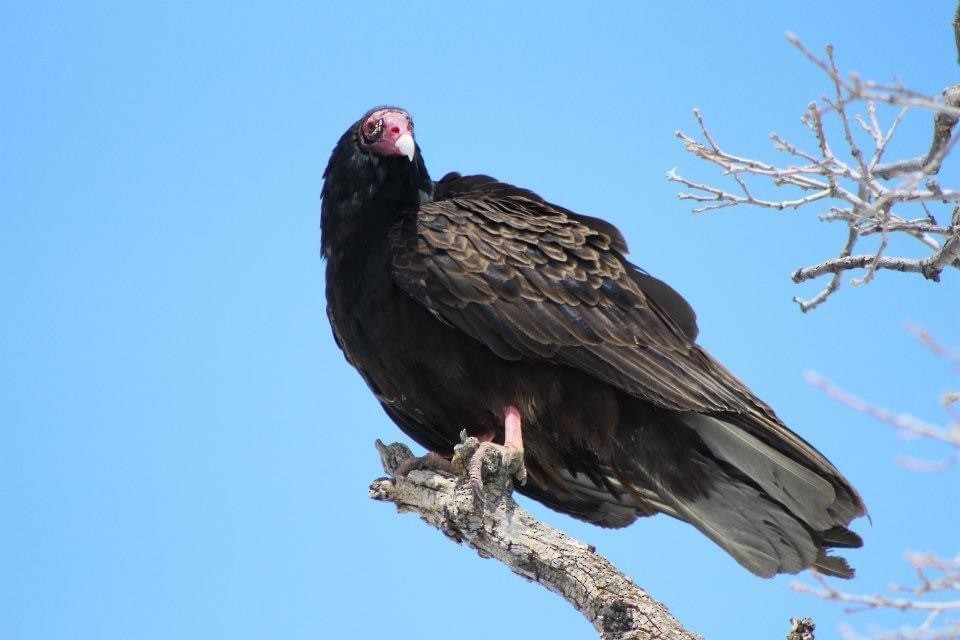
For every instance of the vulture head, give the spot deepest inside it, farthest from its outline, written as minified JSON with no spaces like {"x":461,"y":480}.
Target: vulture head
{"x":377,"y":158}
{"x":386,"y":132}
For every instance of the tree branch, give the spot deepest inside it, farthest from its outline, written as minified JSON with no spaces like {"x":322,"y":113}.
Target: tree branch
{"x":845,"y":263}
{"x":801,"y":629}
{"x":496,"y":527}
{"x":934,"y":598}
{"x":869,"y":197}
{"x":956,"y":30}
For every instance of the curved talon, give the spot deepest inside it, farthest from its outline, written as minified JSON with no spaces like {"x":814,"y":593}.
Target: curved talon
{"x":511,"y":452}
{"x":393,"y":456}
{"x":475,"y":471}
{"x":430,"y":462}
{"x":475,"y":467}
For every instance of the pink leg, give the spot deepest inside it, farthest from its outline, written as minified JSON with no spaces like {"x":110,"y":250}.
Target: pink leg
{"x":513,"y":436}
{"x":511,"y":450}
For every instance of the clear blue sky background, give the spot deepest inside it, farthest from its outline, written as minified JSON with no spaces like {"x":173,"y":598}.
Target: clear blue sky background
{"x":184,"y":452}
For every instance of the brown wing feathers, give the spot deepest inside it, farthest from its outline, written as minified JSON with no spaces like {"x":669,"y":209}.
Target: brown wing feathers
{"x":533,"y":281}
{"x":457,"y":298}
{"x":550,"y":285}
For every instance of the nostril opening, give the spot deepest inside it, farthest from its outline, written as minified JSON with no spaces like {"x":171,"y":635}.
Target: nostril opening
{"x":394,"y":129}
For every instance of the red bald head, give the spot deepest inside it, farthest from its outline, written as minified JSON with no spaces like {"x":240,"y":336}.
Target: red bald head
{"x":387,"y":132}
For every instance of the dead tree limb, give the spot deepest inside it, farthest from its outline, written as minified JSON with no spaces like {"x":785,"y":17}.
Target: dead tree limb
{"x":801,"y":629}
{"x":496,"y":527}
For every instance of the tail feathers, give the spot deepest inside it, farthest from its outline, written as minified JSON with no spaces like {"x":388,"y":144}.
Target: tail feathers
{"x":833,"y":566}
{"x":814,"y":498}
{"x":840,"y":537}
{"x":602,"y":499}
{"x":770,"y":512}
{"x":800,"y":489}
{"x":848,"y":506}
{"x":759,"y":533}
{"x":585,"y":500}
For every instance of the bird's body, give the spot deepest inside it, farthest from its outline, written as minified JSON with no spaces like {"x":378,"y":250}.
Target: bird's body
{"x":467,"y":299}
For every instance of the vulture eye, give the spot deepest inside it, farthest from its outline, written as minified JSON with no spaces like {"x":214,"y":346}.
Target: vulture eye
{"x":372,"y":128}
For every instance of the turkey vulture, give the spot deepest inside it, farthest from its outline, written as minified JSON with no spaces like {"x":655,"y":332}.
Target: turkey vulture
{"x":471,"y":303}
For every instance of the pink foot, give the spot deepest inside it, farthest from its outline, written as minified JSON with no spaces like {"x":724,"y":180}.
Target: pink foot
{"x":511,"y":451}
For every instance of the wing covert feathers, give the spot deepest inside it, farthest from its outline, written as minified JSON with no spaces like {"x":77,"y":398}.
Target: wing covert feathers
{"x":536,"y":282}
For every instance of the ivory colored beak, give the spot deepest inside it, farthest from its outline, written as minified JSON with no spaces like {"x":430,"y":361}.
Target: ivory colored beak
{"x":406,"y":145}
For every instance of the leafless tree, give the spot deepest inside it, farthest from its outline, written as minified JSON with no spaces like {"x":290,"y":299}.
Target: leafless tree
{"x":870,"y":196}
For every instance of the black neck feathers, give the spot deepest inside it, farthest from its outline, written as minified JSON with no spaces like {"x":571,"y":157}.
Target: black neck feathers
{"x":365,"y":194}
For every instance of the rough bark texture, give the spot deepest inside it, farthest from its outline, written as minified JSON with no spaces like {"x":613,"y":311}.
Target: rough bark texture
{"x":801,"y":629}
{"x":489,"y":521}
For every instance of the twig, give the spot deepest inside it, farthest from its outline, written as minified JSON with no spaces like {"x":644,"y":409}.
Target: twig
{"x":956,"y":30}
{"x":873,"y":601}
{"x":938,"y":579}
{"x":871,"y":204}
{"x":907,"y":424}
{"x":931,"y":343}
{"x":845,"y":263}
{"x":807,"y":305}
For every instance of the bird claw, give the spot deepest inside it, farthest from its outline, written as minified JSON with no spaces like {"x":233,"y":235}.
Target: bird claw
{"x":471,"y":455}
{"x":398,"y":460}
{"x":476,"y":459}
{"x":463,"y":452}
{"x":429,"y":462}
{"x":393,"y":456}
{"x":511,"y":458}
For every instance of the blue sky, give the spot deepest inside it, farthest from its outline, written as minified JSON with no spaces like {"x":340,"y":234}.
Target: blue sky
{"x":183,"y":451}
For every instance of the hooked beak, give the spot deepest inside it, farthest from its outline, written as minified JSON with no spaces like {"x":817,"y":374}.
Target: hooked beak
{"x":387,"y":132}
{"x":406,"y":146}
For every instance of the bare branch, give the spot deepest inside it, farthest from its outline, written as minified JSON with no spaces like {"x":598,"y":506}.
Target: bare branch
{"x":931,"y":343}
{"x":908,"y":425}
{"x":497,"y":528}
{"x":807,"y":305}
{"x":801,"y":629}
{"x":932,"y":610}
{"x":845,"y":263}
{"x":874,"y":601}
{"x":943,"y":140}
{"x":956,"y":30}
{"x":870,"y":202}
{"x":935,"y":596}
